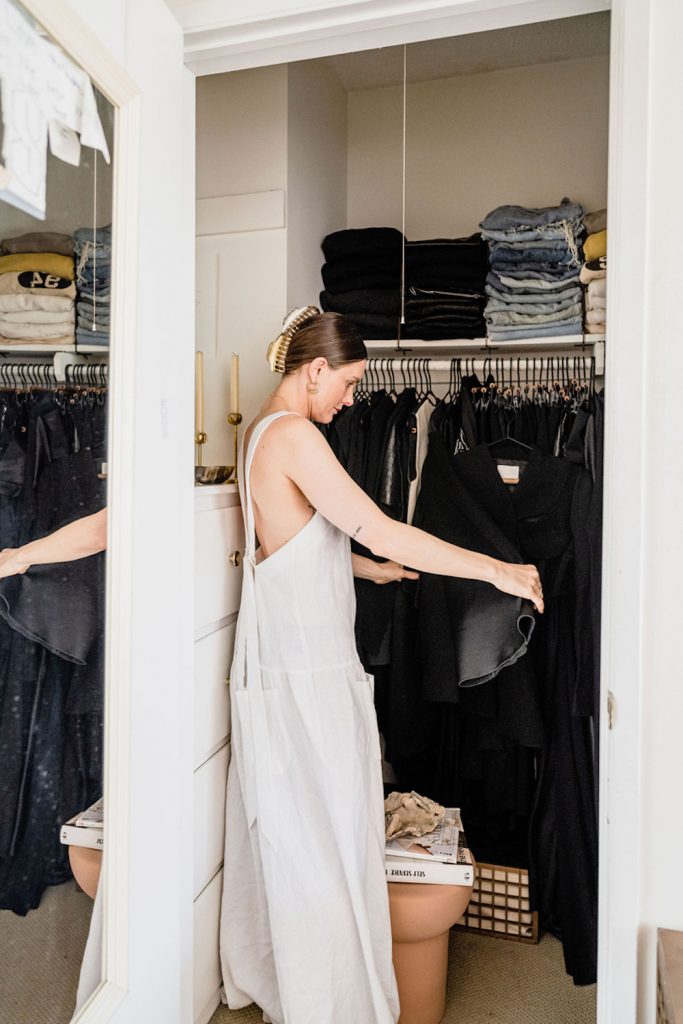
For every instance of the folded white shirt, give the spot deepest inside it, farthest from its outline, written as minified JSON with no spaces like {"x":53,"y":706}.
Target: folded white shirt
{"x":39,"y":316}
{"x":10,"y":303}
{"x":597,"y":287}
{"x":34,"y":332}
{"x":595,"y":316}
{"x":62,"y":342}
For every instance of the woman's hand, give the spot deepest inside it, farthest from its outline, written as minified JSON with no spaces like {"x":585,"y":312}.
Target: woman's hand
{"x":10,"y":563}
{"x":389,"y":572}
{"x":520,"y":581}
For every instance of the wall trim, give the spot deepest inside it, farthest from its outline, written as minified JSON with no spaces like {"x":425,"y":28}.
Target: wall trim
{"x":250,"y":211}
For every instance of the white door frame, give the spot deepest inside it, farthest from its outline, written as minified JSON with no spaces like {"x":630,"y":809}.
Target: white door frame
{"x":85,"y":49}
{"x":214,"y":44}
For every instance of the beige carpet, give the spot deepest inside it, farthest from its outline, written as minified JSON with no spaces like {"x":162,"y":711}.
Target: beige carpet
{"x":40,"y":957}
{"x":492,"y":981}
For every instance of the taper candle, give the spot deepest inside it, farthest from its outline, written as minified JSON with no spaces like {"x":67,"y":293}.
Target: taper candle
{"x":235,"y":384}
{"x":199,"y":393}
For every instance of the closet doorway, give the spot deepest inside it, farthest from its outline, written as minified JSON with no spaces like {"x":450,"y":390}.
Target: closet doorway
{"x":294,"y":161}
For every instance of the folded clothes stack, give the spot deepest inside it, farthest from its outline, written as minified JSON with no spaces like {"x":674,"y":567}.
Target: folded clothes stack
{"x":93,"y":279}
{"x":533,"y":284}
{"x":445,"y":279}
{"x":594,"y":271}
{"x":37,"y":290}
{"x":362,"y":278}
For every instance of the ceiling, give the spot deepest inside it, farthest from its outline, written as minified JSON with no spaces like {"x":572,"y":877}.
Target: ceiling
{"x":539,"y":43}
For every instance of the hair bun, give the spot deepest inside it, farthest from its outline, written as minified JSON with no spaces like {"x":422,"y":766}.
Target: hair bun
{"x":277,"y":350}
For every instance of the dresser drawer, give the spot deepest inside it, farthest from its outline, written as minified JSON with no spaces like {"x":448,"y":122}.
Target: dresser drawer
{"x":207,"y":966}
{"x":218,"y":535}
{"x":212,"y":659}
{"x":209,"y":817}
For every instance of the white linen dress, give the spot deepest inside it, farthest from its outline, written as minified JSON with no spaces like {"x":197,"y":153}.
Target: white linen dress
{"x":305,"y":929}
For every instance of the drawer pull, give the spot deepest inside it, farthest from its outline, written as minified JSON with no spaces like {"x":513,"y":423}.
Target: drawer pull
{"x":235,"y":559}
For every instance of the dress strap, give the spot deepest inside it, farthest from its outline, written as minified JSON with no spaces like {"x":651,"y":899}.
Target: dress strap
{"x":244,"y":480}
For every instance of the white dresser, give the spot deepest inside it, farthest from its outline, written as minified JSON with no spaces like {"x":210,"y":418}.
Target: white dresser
{"x":219,"y":543}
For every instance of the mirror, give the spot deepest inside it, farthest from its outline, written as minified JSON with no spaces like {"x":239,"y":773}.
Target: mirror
{"x":56,"y":256}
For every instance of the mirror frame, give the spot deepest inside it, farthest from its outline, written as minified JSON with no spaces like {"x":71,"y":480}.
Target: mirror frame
{"x":84,"y":48}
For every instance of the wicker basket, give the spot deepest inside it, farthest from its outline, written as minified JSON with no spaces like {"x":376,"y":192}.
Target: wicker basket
{"x":500,"y":905}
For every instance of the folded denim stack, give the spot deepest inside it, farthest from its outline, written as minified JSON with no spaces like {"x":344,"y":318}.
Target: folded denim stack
{"x":93,"y":281}
{"x":37,"y":290}
{"x":594,"y":271}
{"x":533,"y":285}
{"x":362,"y":278}
{"x":445,"y":279}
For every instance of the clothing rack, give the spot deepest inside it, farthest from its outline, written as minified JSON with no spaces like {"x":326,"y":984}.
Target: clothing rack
{"x":515,"y":372}
{"x":62,"y":369}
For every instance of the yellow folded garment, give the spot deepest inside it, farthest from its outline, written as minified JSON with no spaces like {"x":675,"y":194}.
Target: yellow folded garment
{"x":45,"y":262}
{"x":595,"y":246}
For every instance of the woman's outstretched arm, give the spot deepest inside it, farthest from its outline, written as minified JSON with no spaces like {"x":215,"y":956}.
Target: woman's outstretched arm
{"x":311,"y":465}
{"x":83,"y":537}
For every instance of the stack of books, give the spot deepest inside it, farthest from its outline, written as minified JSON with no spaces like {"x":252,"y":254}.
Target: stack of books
{"x":439,"y":858}
{"x":85,"y":828}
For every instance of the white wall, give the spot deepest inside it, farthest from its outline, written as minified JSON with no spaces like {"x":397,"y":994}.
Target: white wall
{"x":241,"y":274}
{"x":316,"y":173}
{"x":477,"y":141}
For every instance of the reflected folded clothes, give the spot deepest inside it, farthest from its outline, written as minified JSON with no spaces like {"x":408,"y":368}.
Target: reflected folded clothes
{"x":595,"y":316}
{"x":593,"y":270}
{"x":87,"y":306}
{"x":418,"y":307}
{"x":361,"y":274}
{"x":512,"y":319}
{"x":595,"y":246}
{"x":30,"y":332}
{"x":531,"y":308}
{"x":510,"y":217}
{"x":571,"y":292}
{"x":563,"y":329}
{"x":594,"y":222}
{"x":375,"y":326}
{"x":36,"y":282}
{"x":362,"y":300}
{"x":438,"y":294}
{"x":32,"y":302}
{"x":362,"y":242}
{"x":100,"y":338}
{"x":597,"y":288}
{"x":60,"y":342}
{"x":44,"y":262}
{"x":39,"y":241}
{"x":38,"y":316}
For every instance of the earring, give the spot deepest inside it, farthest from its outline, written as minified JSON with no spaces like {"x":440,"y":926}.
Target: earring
{"x":313,"y":387}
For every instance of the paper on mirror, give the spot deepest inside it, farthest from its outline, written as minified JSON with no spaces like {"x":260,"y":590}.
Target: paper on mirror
{"x":39,"y":85}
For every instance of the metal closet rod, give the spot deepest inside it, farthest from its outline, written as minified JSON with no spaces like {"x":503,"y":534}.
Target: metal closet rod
{"x":507,"y":363}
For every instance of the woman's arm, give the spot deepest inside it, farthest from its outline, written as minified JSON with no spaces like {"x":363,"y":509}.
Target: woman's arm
{"x":311,"y":465}
{"x":79,"y":539}
{"x":380,"y":572}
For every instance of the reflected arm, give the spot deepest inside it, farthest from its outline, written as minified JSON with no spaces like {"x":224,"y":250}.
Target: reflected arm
{"x":83,"y":537}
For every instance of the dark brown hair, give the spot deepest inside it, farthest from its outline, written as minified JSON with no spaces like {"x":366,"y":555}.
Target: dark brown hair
{"x":327,"y":334}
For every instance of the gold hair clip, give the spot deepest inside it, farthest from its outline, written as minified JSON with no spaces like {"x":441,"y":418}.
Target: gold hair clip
{"x":277,"y":350}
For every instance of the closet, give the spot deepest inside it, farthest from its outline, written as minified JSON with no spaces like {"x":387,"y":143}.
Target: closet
{"x":288,"y":154}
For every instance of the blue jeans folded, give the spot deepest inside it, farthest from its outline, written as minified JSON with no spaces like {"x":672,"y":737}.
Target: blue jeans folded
{"x":529,"y":309}
{"x":550,"y":331}
{"x":545,"y":231}
{"x":505,"y":218}
{"x":565,"y":296}
{"x":512,"y":319}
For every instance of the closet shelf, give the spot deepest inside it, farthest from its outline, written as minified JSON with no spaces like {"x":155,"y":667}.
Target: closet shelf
{"x":50,"y":350}
{"x":415,"y":346}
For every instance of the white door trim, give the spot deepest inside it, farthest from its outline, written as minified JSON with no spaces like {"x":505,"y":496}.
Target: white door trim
{"x":216,"y":44}
{"x":83,"y":46}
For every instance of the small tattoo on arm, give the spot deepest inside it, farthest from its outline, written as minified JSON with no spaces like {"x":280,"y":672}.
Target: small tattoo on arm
{"x":356,"y":532}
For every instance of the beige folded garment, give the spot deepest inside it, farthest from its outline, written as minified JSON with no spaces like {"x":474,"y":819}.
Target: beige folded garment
{"x":34,"y":332}
{"x":39,"y":316}
{"x":598,"y":302}
{"x":594,"y":222}
{"x":594,"y":328}
{"x":598,"y":286}
{"x":595,"y":316}
{"x":63,"y":342}
{"x":35,"y":282}
{"x":39,"y":241}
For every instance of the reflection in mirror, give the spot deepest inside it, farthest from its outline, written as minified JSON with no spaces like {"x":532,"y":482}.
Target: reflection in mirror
{"x":55,"y":287}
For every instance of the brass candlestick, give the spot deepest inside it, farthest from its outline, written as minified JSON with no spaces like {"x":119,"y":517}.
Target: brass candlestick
{"x":200,"y":438}
{"x":234,"y":419}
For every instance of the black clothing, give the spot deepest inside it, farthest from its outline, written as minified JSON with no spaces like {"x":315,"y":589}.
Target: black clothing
{"x":377,"y":301}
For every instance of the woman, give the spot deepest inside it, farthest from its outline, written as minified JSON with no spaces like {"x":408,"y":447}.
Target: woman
{"x":305,"y":929}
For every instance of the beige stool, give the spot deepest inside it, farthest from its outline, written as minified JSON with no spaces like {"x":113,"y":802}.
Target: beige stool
{"x":421,"y":919}
{"x":86,"y":865}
